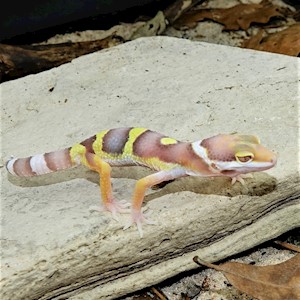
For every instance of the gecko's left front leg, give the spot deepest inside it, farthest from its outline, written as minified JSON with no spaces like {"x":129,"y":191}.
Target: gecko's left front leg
{"x":137,"y":216}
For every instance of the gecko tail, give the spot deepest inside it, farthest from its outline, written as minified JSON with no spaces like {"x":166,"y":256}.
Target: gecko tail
{"x":41,"y":163}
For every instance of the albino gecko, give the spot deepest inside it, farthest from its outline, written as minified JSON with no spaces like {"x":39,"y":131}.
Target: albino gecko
{"x":221,"y":155}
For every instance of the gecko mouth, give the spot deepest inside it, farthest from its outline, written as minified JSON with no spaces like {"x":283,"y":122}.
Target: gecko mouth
{"x":228,"y":172}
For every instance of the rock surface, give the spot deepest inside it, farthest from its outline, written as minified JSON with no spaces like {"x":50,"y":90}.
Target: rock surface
{"x":53,"y":247}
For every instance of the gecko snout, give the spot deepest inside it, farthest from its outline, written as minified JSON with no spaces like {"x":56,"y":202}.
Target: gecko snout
{"x":273,"y":160}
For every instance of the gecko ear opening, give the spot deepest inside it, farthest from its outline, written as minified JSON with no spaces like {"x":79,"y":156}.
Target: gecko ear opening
{"x":244,"y":157}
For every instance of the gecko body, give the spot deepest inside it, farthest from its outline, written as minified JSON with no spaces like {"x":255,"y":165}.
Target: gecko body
{"x":221,"y":155}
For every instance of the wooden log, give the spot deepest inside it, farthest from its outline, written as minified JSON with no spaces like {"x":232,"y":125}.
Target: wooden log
{"x":18,"y":61}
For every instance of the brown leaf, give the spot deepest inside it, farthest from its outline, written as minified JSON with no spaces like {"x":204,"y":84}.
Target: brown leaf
{"x":178,"y":8}
{"x":285,"y":42}
{"x":234,"y":18}
{"x":276,"y":282}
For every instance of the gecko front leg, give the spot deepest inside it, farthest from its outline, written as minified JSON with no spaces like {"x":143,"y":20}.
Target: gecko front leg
{"x":137,"y":216}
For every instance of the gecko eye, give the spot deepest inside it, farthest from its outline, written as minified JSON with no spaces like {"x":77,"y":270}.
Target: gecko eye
{"x":244,"y":157}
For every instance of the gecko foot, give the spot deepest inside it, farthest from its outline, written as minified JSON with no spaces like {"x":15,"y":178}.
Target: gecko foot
{"x":115,"y":207}
{"x":240,"y":178}
{"x":138,"y":218}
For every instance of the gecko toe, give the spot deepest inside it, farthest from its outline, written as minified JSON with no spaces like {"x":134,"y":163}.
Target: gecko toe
{"x":240,"y":178}
{"x":114,"y":207}
{"x":98,"y":208}
{"x":138,"y":218}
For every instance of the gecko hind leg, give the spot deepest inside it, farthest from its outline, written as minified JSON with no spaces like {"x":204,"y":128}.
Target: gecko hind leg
{"x":95,"y":163}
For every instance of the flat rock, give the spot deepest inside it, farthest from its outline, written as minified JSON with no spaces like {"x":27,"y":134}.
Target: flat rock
{"x":54,"y":247}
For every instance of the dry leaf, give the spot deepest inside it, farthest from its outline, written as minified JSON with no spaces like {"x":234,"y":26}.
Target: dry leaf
{"x":234,"y":18}
{"x":276,"y":282}
{"x":285,"y":42}
{"x":178,"y":8}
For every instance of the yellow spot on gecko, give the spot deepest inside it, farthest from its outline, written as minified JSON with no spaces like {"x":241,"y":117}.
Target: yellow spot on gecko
{"x":168,"y":141}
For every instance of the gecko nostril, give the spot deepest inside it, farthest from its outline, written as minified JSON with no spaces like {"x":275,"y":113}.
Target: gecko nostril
{"x":274,"y":160}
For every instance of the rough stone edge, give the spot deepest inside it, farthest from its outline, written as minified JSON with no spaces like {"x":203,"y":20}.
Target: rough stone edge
{"x":213,"y":253}
{"x":265,"y":228}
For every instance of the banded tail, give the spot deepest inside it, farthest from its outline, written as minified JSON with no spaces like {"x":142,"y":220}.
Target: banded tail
{"x":40,"y":164}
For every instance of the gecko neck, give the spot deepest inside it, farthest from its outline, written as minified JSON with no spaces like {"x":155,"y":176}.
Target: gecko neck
{"x":195,"y":160}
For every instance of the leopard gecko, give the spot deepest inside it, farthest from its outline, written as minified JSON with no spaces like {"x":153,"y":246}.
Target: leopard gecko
{"x":229,"y":155}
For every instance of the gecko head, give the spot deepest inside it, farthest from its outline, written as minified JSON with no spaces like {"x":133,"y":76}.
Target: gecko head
{"x":232,"y":154}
